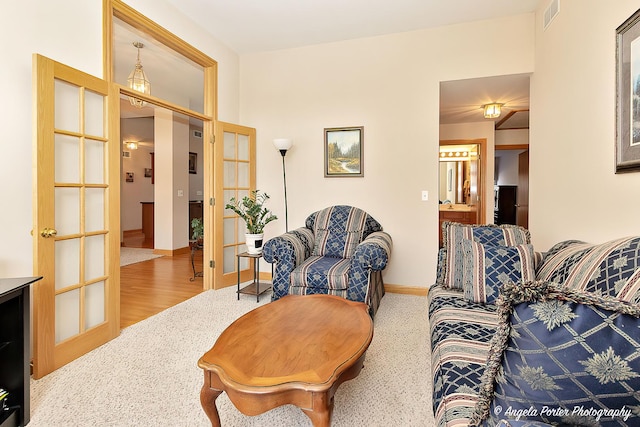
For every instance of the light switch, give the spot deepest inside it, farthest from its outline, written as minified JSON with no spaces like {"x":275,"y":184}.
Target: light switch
{"x":425,"y":195}
{"x":180,"y":193}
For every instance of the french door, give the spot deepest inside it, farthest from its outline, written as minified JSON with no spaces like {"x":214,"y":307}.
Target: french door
{"x":76,"y":215}
{"x":235,"y":154}
{"x":76,"y":210}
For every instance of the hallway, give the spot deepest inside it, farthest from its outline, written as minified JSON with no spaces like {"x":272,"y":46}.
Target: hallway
{"x":149,"y":287}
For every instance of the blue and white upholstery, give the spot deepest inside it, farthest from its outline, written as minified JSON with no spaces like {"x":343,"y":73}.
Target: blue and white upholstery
{"x":341,"y":251}
{"x":599,"y":285}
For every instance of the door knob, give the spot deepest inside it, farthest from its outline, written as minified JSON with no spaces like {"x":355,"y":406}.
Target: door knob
{"x":49,"y":232}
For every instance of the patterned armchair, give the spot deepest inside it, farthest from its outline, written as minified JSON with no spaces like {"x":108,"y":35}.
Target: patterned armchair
{"x":340,"y":251}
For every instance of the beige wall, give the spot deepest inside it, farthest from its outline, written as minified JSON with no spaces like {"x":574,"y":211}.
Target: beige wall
{"x":574,"y":192}
{"x":390,"y":85}
{"x":52,"y":29}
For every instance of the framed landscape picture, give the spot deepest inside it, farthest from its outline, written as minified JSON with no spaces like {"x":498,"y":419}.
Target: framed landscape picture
{"x":343,"y":152}
{"x":628,"y":95}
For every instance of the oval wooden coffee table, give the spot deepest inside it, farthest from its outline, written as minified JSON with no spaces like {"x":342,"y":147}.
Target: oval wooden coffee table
{"x":296,"y":350}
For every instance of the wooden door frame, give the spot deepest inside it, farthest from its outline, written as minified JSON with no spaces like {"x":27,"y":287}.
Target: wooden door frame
{"x":118,"y":9}
{"x":512,"y":147}
{"x":482,"y":153}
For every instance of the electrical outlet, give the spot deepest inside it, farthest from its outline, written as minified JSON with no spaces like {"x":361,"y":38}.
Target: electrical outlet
{"x":425,"y":195}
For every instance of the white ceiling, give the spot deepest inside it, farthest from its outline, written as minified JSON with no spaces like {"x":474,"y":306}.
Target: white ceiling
{"x":258,"y":25}
{"x":461,"y":100}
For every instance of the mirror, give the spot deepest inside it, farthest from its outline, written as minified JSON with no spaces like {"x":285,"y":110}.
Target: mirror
{"x":455,"y":173}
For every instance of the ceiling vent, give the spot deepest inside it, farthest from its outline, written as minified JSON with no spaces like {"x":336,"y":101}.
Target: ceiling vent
{"x":197,"y":133}
{"x":550,"y":12}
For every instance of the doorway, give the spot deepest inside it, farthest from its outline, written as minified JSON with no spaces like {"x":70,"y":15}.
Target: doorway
{"x":511,"y":204}
{"x":461,"y":192}
{"x":165,"y":177}
{"x":462,"y":115}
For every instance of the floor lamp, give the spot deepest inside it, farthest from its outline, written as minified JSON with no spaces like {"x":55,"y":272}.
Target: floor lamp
{"x":282,"y":145}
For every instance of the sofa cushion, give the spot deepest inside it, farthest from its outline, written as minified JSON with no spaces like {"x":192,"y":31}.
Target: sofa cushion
{"x":611,"y":268}
{"x":454,"y":233}
{"x":487,"y":267}
{"x":562,"y":356}
{"x":323,"y":275}
{"x":460,"y":335}
{"x":338,"y":230}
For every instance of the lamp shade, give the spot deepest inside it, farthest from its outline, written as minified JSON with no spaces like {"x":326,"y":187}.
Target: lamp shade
{"x":282,"y":144}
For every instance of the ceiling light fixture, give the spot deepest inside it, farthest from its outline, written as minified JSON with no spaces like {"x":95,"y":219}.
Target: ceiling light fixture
{"x":131,"y":145}
{"x":138,"y":80}
{"x":493,"y":110}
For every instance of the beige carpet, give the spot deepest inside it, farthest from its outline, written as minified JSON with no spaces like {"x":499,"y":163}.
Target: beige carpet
{"x":134,"y":255}
{"x":148,"y":376}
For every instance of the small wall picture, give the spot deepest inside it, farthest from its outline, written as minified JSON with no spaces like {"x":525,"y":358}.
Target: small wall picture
{"x":193,"y":162}
{"x":147,"y":172}
{"x":129,"y":176}
{"x":343,"y":152}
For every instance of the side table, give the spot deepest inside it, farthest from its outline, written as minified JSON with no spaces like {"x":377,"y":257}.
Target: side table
{"x":256,"y":288}
{"x":195,"y":247}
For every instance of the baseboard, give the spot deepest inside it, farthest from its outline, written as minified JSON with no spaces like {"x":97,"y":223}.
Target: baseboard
{"x":394,"y":289}
{"x":407,"y":290}
{"x":172,"y":252}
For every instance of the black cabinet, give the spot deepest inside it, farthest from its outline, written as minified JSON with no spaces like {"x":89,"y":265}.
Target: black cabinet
{"x":14,"y":349}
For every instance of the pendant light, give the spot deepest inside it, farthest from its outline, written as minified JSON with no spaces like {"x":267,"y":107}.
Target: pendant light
{"x":138,"y":80}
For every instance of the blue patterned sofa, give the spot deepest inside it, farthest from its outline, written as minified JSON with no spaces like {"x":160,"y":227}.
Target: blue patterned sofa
{"x":523,"y":338}
{"x":341,"y":251}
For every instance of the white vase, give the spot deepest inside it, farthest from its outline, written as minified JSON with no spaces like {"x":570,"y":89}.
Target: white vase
{"x":254,"y":243}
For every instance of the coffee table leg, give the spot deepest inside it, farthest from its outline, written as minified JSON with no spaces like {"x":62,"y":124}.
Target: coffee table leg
{"x":323,"y":409}
{"x":208,"y":398}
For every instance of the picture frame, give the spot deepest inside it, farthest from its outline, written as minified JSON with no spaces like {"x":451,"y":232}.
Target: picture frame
{"x":628,"y":95}
{"x":147,"y":172}
{"x":129,"y":177}
{"x":193,"y":162}
{"x":343,"y":152}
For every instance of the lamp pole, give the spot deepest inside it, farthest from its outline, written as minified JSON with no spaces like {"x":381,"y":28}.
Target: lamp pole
{"x":284,"y":178}
{"x":283,"y":145}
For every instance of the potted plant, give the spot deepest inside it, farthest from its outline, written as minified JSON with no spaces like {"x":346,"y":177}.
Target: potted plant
{"x":251,"y":209}
{"x":197,"y":227}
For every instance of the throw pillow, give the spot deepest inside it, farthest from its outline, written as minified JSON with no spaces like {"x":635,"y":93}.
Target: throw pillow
{"x":563,"y":357}
{"x":611,"y":268}
{"x":454,"y":233}
{"x":487,"y":268}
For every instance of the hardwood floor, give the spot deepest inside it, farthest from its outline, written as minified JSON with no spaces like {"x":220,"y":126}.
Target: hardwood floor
{"x":149,"y":287}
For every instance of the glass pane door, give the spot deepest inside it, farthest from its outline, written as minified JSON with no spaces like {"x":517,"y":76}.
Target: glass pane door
{"x":75,"y":251}
{"x":238,"y":180}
